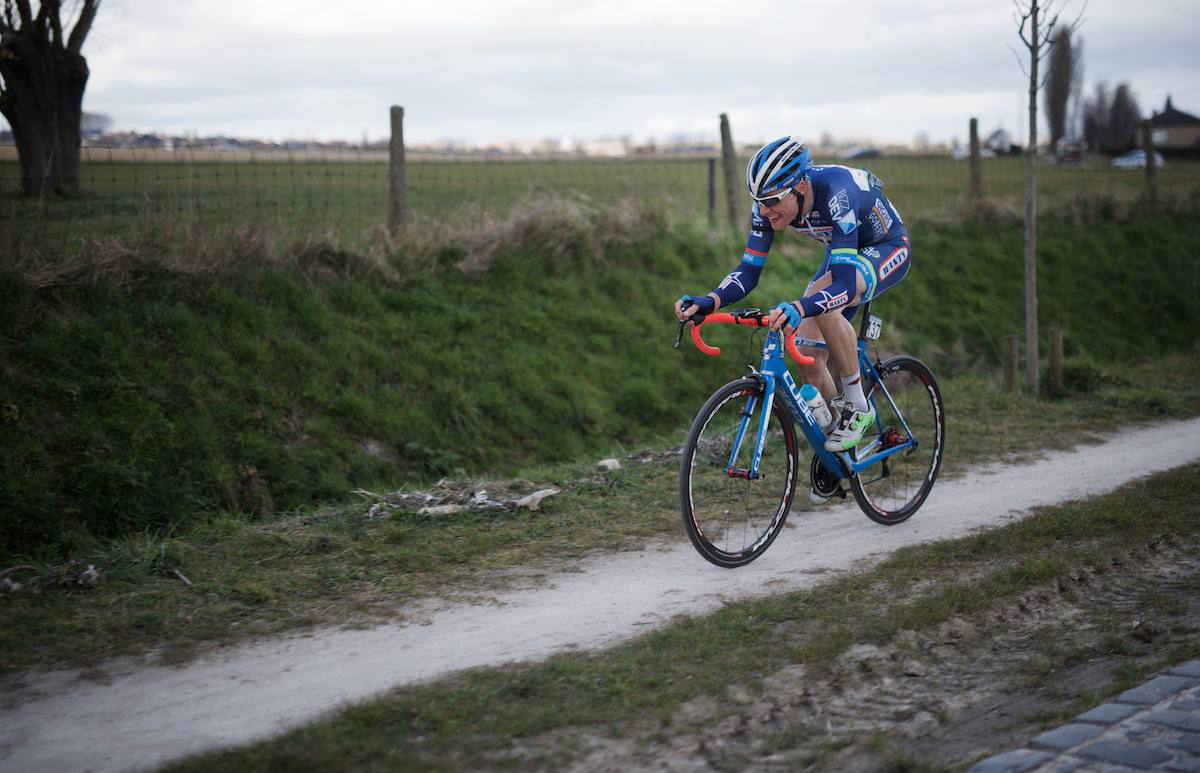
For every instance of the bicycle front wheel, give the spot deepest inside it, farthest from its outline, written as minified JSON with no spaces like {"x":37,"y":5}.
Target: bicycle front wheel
{"x":731,"y":520}
{"x":892,"y":490}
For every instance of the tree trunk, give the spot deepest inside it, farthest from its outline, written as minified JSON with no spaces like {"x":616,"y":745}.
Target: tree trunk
{"x":43,"y":102}
{"x":1031,"y":325}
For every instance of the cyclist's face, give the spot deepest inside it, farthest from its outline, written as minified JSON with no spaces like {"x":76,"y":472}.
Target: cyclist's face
{"x":782,"y":211}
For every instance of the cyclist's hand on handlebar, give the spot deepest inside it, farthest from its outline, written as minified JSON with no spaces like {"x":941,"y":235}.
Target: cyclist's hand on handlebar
{"x":690,"y":306}
{"x":785,"y":316}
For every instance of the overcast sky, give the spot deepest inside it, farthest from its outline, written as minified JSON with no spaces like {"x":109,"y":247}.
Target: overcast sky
{"x":477,"y":71}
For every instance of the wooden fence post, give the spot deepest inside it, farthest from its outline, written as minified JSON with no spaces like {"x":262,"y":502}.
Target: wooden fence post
{"x":1010,"y":363}
{"x":729,"y":159}
{"x":975,"y":191}
{"x":1151,"y":164}
{"x":712,"y":191}
{"x":1056,"y":361}
{"x":398,"y":211}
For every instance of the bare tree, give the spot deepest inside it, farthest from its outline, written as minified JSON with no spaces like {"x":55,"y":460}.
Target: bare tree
{"x":1059,"y":76}
{"x":1123,"y":118}
{"x":1096,"y":113}
{"x":1111,"y":117}
{"x":1074,"y":129}
{"x":1039,"y":41}
{"x":42,"y":78}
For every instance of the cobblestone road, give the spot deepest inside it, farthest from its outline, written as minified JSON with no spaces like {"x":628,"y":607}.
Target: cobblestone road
{"x":1155,"y":726}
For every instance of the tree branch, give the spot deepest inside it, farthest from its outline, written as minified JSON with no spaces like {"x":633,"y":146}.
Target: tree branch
{"x":55,"y":22}
{"x":1020,"y":63}
{"x":1023,"y":18}
{"x":26,"y":13}
{"x":83,"y":26}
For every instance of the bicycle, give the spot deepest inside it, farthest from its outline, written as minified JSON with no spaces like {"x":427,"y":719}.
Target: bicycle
{"x":733,"y":509}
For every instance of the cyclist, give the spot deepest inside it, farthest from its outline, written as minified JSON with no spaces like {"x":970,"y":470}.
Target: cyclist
{"x":867,"y":252}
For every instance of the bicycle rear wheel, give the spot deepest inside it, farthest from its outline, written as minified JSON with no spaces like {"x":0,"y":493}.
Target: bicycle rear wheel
{"x":731,"y":520}
{"x":892,"y":490}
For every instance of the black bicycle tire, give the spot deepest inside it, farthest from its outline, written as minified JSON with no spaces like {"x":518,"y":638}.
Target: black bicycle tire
{"x":695,"y":532}
{"x":925,"y":376}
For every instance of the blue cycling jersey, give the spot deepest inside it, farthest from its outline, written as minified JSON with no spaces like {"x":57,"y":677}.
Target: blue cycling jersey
{"x":849,"y":211}
{"x":849,"y":214}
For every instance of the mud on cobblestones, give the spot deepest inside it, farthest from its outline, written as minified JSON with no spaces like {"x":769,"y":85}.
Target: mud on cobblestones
{"x":947,"y":697}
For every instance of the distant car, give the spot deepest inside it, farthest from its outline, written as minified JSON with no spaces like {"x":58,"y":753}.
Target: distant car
{"x":964,"y":151}
{"x":1135,"y":159}
{"x":859,"y":151}
{"x":1069,"y":152}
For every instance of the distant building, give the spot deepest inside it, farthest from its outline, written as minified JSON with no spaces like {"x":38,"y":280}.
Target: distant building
{"x":1174,"y":132}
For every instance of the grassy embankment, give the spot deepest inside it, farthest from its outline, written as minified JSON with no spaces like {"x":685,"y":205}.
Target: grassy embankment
{"x":169,"y":410}
{"x":263,"y":387}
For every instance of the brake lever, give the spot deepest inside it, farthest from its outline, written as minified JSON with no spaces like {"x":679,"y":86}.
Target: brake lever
{"x":679,"y":337}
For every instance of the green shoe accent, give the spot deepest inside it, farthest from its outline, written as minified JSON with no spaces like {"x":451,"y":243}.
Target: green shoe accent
{"x":850,"y":433}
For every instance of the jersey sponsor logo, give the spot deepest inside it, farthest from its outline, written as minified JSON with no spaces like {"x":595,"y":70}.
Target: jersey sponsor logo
{"x":847,"y":222}
{"x":881,"y":221}
{"x":812,"y":227}
{"x":831,"y":302}
{"x":870,"y":252}
{"x":733,"y":279}
{"x":838,"y":203}
{"x":893,"y":262}
{"x":881,"y":208}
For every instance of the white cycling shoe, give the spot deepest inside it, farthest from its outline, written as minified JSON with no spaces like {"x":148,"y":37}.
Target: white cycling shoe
{"x":851,"y":427}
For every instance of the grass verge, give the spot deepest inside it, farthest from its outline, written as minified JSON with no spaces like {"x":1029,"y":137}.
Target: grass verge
{"x":336,"y":566}
{"x":141,"y":392}
{"x":536,"y":715}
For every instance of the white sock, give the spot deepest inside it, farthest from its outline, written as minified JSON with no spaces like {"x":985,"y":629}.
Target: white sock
{"x":852,"y":392}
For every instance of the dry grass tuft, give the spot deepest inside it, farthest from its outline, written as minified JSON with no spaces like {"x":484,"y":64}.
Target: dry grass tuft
{"x":558,"y":229}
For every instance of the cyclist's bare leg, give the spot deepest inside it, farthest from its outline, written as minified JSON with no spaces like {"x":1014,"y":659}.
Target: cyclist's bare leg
{"x":840,"y":336}
{"x":816,"y":374}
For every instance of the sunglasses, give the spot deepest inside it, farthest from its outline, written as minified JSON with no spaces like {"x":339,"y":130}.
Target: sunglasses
{"x":770,"y":201}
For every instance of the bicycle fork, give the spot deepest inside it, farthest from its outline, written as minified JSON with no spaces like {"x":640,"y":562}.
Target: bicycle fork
{"x":760,"y":432}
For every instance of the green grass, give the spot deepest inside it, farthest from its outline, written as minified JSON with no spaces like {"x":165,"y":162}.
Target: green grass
{"x":473,"y":719}
{"x":333,"y":565}
{"x":139,"y":397}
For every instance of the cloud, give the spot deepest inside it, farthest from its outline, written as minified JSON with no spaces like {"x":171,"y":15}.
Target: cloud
{"x":484,"y":71}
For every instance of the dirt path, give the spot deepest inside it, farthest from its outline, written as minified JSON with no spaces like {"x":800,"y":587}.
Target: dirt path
{"x":144,"y":716}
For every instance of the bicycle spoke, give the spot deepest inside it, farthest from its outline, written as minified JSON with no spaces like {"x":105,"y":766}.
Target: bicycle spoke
{"x":891,"y":491}
{"x":731,"y":519}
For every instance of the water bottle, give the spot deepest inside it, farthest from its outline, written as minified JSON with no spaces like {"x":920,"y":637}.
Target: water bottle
{"x":816,"y":404}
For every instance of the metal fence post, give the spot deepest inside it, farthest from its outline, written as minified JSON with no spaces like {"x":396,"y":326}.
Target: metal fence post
{"x":729,"y":158}
{"x":398,"y":211}
{"x":975,"y":189}
{"x":1151,"y":164}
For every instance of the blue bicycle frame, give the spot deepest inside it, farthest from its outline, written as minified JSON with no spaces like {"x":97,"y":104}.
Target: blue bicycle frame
{"x":773,"y":372}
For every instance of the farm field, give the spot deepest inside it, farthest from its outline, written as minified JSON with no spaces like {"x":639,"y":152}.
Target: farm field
{"x":160,"y":198}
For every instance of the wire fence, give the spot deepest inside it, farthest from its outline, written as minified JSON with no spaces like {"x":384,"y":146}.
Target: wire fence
{"x":153,"y":199}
